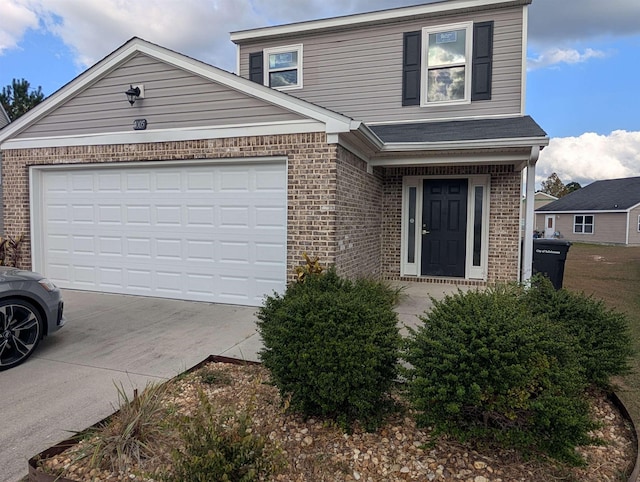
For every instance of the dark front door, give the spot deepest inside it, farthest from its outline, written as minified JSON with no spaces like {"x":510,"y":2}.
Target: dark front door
{"x":444,"y":227}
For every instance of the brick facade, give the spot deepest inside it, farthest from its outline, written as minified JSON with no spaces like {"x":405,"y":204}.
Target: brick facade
{"x":311,"y":214}
{"x":504,"y":220}
{"x":336,"y":209}
{"x":359,"y":217}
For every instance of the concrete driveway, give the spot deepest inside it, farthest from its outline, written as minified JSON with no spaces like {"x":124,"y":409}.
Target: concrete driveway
{"x":68,"y":384}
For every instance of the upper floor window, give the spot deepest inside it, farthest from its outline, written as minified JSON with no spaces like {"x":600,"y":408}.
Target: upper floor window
{"x":283,"y":67}
{"x":446,"y":64}
{"x":583,"y":224}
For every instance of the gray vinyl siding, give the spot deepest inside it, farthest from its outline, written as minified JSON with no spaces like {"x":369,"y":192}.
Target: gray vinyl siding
{"x":358,"y":72}
{"x":174,"y":98}
{"x":634,"y":233}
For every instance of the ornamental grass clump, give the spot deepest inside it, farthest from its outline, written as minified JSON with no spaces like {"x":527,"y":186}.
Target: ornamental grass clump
{"x":132,"y":434}
{"x":482,"y":367}
{"x":332,"y":345}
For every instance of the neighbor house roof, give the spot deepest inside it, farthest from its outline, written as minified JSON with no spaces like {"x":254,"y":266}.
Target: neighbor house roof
{"x":608,"y":195}
{"x":520,"y":127}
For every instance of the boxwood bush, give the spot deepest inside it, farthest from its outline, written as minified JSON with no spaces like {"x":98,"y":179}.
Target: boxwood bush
{"x":603,"y":339}
{"x":332,"y":346}
{"x":483,"y":367}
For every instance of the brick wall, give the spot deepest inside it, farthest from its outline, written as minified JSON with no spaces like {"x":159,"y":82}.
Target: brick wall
{"x":311,"y":175}
{"x":336,"y":210}
{"x":504,"y":223}
{"x":358,"y":217}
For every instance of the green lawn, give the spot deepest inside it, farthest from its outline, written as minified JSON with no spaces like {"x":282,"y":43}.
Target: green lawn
{"x":612,"y":273}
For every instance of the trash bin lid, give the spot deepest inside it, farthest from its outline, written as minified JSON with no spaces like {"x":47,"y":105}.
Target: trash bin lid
{"x":551,"y":242}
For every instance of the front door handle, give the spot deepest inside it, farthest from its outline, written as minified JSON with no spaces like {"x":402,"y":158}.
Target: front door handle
{"x":424,"y":231}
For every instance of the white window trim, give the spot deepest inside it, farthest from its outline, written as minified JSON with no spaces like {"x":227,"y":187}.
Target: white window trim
{"x":471,"y":272}
{"x":593,"y":224}
{"x":639,"y":223}
{"x":424,"y":77}
{"x":275,"y":50}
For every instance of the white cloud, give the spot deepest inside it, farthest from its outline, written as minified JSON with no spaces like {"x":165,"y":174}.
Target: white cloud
{"x":15,"y":18}
{"x":199,"y":28}
{"x":591,"y":157}
{"x":555,"y":56}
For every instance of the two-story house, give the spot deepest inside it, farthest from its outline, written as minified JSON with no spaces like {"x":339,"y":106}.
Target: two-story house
{"x":389,"y":144}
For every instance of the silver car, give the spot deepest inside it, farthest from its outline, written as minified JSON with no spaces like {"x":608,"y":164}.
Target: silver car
{"x":30,"y":308}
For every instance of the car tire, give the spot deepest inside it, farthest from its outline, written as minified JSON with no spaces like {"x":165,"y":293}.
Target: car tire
{"x":20,"y":331}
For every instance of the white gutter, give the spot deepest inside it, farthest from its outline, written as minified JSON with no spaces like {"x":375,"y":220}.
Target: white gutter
{"x":527,"y":251}
{"x":470,"y":144}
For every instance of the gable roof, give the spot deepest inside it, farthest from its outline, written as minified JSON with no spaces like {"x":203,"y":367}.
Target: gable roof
{"x":372,"y":18}
{"x":334,"y":123}
{"x":511,"y":130}
{"x":608,"y":195}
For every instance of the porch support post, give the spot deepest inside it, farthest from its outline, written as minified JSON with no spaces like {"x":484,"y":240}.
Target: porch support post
{"x":529,"y":213}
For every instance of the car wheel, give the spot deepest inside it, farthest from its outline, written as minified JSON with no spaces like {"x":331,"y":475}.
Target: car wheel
{"x":20,"y":332}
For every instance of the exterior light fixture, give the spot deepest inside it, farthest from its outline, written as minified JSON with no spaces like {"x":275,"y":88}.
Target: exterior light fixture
{"x":134,"y":93}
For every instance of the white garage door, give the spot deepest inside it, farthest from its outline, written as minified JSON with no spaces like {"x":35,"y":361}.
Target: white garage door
{"x":201,"y":232}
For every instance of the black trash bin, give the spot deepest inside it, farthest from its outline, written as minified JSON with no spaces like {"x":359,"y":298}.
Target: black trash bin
{"x":549,"y":256}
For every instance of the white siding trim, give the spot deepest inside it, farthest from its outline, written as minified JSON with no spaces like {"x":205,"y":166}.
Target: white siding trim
{"x":473,"y":144}
{"x":525,"y":33}
{"x":168,"y":135}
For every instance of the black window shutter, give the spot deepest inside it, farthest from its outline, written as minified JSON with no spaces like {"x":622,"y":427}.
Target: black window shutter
{"x":411,"y":65}
{"x":482,"y":61}
{"x":256,"y":67}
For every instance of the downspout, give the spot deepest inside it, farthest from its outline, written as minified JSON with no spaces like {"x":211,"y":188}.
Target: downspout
{"x":527,"y":242}
{"x":628,"y":226}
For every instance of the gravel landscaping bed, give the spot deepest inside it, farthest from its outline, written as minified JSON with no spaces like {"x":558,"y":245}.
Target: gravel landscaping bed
{"x":314,"y":450}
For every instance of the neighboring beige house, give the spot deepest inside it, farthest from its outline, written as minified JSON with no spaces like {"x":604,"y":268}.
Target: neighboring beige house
{"x":389,"y":144}
{"x":606,"y":212}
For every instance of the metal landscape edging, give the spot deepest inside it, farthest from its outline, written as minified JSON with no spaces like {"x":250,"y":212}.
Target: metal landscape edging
{"x":37,"y":475}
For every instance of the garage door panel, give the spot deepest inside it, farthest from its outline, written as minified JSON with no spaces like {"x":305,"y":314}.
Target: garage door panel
{"x":207,"y":233}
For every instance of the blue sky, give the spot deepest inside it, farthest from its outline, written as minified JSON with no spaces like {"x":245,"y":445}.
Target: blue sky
{"x":584,"y":59}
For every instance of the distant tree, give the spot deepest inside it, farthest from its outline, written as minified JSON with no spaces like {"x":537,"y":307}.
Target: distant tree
{"x":18,"y":98}
{"x":553,"y":185}
{"x":571,"y":186}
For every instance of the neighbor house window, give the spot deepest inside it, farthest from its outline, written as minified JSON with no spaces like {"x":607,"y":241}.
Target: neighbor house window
{"x":446,"y":63}
{"x":283,"y":67}
{"x":583,"y":224}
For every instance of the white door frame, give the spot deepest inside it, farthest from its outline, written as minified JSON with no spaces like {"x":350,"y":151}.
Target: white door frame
{"x":549,"y":231}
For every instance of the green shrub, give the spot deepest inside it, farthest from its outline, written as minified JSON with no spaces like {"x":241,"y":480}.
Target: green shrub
{"x":482,"y":367}
{"x":219,"y":447}
{"x":604,"y":341}
{"x":332,"y":346}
